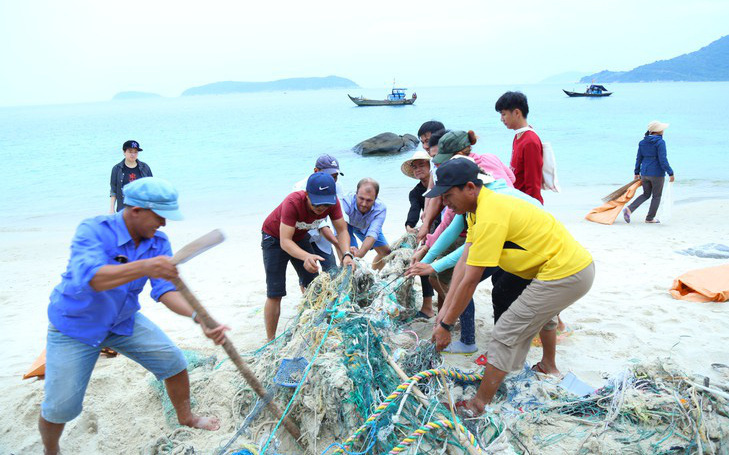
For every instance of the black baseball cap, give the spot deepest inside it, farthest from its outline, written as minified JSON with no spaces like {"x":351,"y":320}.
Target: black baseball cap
{"x":131,"y":145}
{"x":454,"y":173}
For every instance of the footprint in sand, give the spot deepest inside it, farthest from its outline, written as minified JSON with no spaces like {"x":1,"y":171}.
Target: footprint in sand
{"x":89,"y":423}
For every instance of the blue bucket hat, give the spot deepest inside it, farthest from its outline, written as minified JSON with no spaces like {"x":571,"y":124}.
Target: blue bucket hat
{"x":155,"y":194}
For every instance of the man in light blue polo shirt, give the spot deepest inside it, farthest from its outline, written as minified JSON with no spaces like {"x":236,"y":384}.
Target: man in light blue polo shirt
{"x":365,"y":216}
{"x":96,"y":306}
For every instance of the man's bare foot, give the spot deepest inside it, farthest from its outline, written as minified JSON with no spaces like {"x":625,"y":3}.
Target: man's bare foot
{"x":471,"y":408}
{"x":203,"y":423}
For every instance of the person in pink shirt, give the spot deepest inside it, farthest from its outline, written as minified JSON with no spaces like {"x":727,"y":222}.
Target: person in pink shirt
{"x":459,"y":143}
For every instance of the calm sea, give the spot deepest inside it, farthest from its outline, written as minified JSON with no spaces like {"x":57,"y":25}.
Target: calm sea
{"x":241,"y":153}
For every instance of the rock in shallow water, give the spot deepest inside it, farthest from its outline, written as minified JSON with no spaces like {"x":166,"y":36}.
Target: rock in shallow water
{"x":387,"y":143}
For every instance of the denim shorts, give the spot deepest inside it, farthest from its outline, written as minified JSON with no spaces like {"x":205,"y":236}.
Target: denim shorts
{"x":355,"y":234}
{"x":69,"y":364}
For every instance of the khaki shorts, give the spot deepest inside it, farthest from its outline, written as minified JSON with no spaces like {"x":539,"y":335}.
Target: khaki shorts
{"x":445,"y":276}
{"x":536,"y":308}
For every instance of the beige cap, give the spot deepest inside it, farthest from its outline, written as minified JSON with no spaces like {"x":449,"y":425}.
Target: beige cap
{"x":656,"y":127}
{"x":418,"y":155}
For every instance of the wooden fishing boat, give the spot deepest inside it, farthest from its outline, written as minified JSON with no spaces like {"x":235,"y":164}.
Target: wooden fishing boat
{"x":397,"y":97}
{"x":591,"y":91}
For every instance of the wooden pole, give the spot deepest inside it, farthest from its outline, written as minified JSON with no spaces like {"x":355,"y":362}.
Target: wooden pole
{"x":187,"y":252}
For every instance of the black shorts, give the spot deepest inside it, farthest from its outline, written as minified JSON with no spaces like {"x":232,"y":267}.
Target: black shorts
{"x":275,"y":261}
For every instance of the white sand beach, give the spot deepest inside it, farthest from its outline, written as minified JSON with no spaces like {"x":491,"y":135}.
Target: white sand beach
{"x":628,"y":317}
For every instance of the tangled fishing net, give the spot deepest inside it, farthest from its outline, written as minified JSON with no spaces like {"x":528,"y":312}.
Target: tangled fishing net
{"x":355,"y":378}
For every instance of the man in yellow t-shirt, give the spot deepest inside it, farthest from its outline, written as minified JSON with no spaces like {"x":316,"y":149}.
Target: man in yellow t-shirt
{"x":521,"y":239}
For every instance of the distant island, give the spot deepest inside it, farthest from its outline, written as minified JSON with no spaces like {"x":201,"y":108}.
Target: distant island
{"x":134,"y":96}
{"x":710,"y":63}
{"x":296,"y":83}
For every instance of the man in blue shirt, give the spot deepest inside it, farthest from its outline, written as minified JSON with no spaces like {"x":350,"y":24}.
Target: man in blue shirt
{"x":365,"y":217}
{"x":96,"y":306}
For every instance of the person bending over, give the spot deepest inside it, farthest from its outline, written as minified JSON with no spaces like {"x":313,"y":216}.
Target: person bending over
{"x":285,"y":239}
{"x":96,"y":306}
{"x":365,"y":217}
{"x":512,"y":234}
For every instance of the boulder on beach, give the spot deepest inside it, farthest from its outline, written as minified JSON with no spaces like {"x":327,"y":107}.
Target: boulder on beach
{"x":387,"y":143}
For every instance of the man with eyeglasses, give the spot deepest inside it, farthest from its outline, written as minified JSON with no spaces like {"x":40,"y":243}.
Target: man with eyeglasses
{"x":285,"y":239}
{"x":125,"y":172}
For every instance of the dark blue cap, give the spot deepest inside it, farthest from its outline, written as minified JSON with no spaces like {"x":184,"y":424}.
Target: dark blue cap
{"x":322,"y":189}
{"x":131,"y":145}
{"x":453,"y":173}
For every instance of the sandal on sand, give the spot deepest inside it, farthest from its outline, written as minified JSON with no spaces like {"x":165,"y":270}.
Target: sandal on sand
{"x":538,"y":368}
{"x":654,"y":221}
{"x":422,"y":315}
{"x":626,"y":215}
{"x":561,"y":335}
{"x":108,"y":352}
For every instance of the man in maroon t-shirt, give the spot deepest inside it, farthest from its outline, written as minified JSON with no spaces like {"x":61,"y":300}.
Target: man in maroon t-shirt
{"x":285,"y":239}
{"x":526,"y":153}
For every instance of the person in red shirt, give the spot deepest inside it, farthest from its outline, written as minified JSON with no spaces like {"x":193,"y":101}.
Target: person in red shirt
{"x":526,"y":153}
{"x":286,"y":239}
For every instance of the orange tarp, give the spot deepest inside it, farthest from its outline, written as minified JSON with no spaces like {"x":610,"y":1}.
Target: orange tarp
{"x":606,"y":213}
{"x":703,"y":285}
{"x":38,"y":368}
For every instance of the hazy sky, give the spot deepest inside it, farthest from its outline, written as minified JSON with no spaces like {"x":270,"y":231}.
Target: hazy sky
{"x":76,"y":50}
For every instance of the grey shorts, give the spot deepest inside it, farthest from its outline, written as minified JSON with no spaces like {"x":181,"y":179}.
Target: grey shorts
{"x":536,"y":308}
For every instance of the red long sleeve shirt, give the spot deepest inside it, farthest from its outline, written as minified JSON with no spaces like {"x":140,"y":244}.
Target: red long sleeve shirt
{"x":526,"y":162}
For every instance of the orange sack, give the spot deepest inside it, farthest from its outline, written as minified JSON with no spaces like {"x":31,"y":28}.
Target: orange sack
{"x":703,"y":285}
{"x":606,"y":213}
{"x":38,"y":368}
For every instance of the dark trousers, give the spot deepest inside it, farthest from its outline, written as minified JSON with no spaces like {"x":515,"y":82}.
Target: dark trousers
{"x":507,"y":288}
{"x":329,"y":264}
{"x":427,"y":287}
{"x":652,"y":188}
{"x":468,"y":317}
